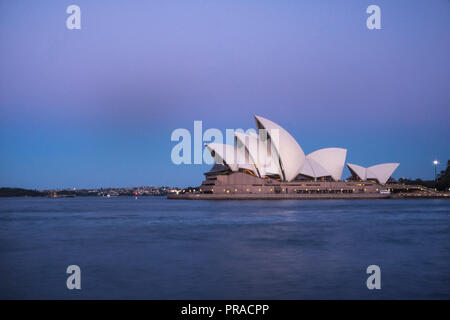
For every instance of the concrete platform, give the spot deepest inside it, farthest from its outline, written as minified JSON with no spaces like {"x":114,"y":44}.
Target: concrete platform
{"x":197,"y":196}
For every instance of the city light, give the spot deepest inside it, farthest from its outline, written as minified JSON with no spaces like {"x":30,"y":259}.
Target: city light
{"x":435,"y":162}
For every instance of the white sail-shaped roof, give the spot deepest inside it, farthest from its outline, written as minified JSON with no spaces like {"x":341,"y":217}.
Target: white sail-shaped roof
{"x":289,"y":155}
{"x":361,"y":172}
{"x":278,"y":153}
{"x":313,"y":169}
{"x":319,"y":170}
{"x":330,"y":159}
{"x":244,"y":157}
{"x":250,"y":143}
{"x":224,"y":154}
{"x":261,"y":160}
{"x":382,"y":172}
{"x":307,"y":170}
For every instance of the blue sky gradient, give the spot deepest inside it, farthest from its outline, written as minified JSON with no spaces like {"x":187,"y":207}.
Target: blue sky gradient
{"x":96,"y":107}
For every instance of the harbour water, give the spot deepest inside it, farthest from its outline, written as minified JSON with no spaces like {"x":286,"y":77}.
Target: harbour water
{"x":154,"y":248}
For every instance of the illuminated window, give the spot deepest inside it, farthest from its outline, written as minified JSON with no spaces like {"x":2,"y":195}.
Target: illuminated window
{"x":249,"y":172}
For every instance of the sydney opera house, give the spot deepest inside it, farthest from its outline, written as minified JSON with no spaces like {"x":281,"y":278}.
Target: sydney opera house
{"x":269,"y":163}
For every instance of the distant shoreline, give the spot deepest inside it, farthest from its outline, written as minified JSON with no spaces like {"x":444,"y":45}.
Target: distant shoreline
{"x":70,"y":193}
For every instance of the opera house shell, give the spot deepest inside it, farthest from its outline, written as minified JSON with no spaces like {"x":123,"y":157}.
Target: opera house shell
{"x":380,"y":172}
{"x":271,"y":161}
{"x":285,"y":159}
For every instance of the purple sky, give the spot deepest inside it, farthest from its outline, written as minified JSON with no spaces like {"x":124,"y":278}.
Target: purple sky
{"x":96,"y":107}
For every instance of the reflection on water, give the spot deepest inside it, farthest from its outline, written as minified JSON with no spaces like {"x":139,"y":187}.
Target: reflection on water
{"x":153,"y":248}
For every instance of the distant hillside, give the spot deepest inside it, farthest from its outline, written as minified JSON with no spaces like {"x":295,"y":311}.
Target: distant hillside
{"x":19,"y":192}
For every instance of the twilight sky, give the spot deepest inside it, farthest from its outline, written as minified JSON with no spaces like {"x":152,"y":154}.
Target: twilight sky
{"x":96,"y":107}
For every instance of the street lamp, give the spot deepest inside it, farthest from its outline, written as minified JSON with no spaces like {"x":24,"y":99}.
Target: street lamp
{"x":435,"y":162}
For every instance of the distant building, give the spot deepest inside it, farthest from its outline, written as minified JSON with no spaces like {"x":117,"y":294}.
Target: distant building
{"x":285,"y":159}
{"x":272,"y":162}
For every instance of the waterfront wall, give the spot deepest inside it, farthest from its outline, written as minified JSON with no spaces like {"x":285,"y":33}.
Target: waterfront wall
{"x":201,"y":196}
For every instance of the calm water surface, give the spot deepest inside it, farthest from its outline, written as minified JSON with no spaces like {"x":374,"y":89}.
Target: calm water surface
{"x":153,"y":248}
